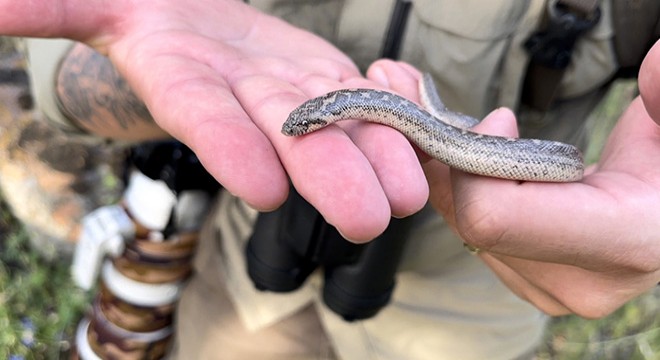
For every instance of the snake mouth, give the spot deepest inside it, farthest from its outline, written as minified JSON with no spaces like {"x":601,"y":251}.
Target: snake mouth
{"x":289,"y":130}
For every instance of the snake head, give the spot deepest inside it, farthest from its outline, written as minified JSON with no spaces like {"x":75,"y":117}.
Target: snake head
{"x":304,"y":119}
{"x":302,"y":127}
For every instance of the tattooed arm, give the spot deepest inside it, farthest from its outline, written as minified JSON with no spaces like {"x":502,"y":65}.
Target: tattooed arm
{"x":93,"y":95}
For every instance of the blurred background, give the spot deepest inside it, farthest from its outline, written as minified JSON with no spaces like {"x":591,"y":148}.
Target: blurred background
{"x":63,"y":179}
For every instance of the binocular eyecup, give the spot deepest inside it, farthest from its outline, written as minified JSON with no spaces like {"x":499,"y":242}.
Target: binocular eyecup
{"x":288,"y":244}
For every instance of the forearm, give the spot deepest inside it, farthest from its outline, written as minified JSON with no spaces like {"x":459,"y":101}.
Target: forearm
{"x":96,"y":99}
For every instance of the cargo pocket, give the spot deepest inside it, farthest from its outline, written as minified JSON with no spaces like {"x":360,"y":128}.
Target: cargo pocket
{"x":463,"y":44}
{"x":318,"y":16}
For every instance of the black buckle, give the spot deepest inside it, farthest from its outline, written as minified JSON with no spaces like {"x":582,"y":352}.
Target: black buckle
{"x":553,"y":46}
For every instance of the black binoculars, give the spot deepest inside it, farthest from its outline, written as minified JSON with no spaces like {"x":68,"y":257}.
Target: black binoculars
{"x":290,"y":243}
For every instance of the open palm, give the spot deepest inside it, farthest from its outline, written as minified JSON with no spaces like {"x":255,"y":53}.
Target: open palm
{"x":222,"y":77}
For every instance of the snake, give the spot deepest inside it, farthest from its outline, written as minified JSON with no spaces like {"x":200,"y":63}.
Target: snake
{"x":442,"y":134}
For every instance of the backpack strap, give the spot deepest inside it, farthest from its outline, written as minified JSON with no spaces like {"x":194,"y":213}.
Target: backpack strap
{"x":392,"y":42}
{"x":636,"y":28}
{"x":551,"y":48}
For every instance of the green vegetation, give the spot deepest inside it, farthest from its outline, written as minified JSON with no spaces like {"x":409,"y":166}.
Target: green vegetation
{"x":39,"y":305}
{"x":632,"y":332}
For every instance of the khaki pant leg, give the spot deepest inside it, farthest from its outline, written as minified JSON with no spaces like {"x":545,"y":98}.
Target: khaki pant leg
{"x":208,"y":326}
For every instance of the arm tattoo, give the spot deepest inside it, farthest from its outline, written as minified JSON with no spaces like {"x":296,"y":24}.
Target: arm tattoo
{"x":93,"y":94}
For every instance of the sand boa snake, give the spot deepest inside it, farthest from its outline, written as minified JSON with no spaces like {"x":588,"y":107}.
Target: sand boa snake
{"x":442,"y":134}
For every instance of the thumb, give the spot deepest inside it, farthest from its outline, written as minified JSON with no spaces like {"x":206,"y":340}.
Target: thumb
{"x":649,"y":82}
{"x":500,"y":122}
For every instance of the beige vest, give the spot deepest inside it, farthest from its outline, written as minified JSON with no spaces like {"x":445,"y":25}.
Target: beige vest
{"x":447,"y":303}
{"x":472,"y":47}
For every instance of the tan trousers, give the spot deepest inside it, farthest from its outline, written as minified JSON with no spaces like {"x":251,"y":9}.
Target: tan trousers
{"x":217,"y":332}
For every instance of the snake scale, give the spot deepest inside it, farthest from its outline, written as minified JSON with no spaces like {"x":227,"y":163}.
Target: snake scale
{"x":443,"y":134}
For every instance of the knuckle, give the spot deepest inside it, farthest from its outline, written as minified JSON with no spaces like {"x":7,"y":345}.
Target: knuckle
{"x":644,"y":266}
{"x":642,"y":260}
{"x":480,"y":225}
{"x":647,"y":262}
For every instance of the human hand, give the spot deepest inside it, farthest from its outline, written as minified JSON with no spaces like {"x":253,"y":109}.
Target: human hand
{"x":584,"y":247}
{"x":222,"y":77}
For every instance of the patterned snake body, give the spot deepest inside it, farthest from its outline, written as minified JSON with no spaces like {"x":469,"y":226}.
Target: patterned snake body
{"x":444,"y":135}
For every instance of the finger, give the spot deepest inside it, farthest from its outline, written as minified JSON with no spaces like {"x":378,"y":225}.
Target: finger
{"x":574,"y":223}
{"x":194,"y":104}
{"x":390,"y":154}
{"x":649,"y":82}
{"x":326,"y":167}
{"x":500,"y":122}
{"x":524,"y":288}
{"x":189,"y":97}
{"x":405,"y":79}
{"x":582,"y":292}
{"x":398,"y":76}
{"x":397,"y":163}
{"x":634,"y":135}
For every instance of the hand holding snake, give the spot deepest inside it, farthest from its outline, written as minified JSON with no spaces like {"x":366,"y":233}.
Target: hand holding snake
{"x":582,"y":247}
